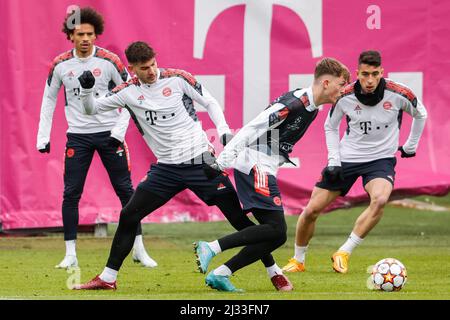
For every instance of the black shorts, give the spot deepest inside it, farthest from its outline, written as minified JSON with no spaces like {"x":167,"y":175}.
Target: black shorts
{"x":381,"y":168}
{"x":258,"y":190}
{"x":166,"y":180}
{"x":80,"y":150}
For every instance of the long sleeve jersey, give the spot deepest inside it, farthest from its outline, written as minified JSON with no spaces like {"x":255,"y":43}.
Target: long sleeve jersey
{"x":109,"y":72}
{"x":267,"y":140}
{"x":373,"y":131}
{"x":164,"y":113}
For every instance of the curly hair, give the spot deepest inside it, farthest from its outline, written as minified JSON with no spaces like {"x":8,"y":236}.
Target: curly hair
{"x":87,"y":15}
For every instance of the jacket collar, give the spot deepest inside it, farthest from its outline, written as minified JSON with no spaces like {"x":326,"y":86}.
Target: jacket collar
{"x":370,"y":99}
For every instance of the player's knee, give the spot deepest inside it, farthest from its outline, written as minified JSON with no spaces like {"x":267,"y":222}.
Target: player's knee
{"x":311,"y":213}
{"x":280,"y":233}
{"x":282,"y":238}
{"x":128,"y":217}
{"x":124,"y":196}
{"x":279,"y":237}
{"x":71,"y":196}
{"x":123,"y":190}
{"x":240,"y":222}
{"x":379,"y":202}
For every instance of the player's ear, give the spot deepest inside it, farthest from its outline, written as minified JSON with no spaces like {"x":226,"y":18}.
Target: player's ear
{"x":381,"y":71}
{"x":130,"y":68}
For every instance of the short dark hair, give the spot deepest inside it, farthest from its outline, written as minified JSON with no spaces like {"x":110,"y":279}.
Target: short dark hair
{"x":87,"y":15}
{"x":139,"y":52}
{"x":370,"y":57}
{"x":332,"y":67}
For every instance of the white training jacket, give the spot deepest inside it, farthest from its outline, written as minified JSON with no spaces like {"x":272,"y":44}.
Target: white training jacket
{"x":285,"y":120}
{"x":373,"y":131}
{"x":164,"y":113}
{"x":109,"y":72}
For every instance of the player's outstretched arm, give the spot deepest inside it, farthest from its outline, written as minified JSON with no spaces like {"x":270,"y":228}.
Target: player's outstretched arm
{"x":201,"y":95}
{"x":92,"y":105}
{"x":265,"y":121}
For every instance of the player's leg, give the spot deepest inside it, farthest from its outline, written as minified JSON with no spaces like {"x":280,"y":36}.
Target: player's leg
{"x":142,"y":203}
{"x":232,"y":210}
{"x":160,"y":184}
{"x":379,"y":191}
{"x":220,"y":192}
{"x":320,"y":199}
{"x":324,"y":193}
{"x":117,"y":163}
{"x":265,"y":195}
{"x":77,"y":159}
{"x":258,"y":241}
{"x":378,"y":180}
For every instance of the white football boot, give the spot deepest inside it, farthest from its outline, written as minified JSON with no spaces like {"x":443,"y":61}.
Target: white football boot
{"x":141,"y":256}
{"x":68,"y":262}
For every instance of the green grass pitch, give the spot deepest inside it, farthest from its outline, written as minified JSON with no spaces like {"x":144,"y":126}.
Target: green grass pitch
{"x":420,"y":239}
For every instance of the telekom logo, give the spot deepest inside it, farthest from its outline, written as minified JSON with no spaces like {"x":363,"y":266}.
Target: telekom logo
{"x":257,"y":27}
{"x":257,"y":32}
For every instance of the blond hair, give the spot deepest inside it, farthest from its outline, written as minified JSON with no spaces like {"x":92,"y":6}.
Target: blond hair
{"x":332,"y":67}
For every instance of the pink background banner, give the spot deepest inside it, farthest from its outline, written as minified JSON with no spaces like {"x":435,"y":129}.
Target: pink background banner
{"x":249,"y":52}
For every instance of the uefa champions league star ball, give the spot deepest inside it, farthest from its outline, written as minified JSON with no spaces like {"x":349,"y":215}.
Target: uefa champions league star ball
{"x":388,"y":275}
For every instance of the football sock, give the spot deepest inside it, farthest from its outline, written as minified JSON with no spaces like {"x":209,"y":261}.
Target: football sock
{"x":109,"y":275}
{"x":70,"y":248}
{"x":138,"y":243}
{"x":223,"y":270}
{"x":300,"y":253}
{"x":215,"y":246}
{"x":352,"y":242}
{"x":274,"y":270}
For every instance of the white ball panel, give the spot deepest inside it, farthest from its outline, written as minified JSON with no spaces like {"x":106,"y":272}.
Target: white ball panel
{"x":387,"y":286}
{"x":395,"y":269}
{"x":398,"y":281}
{"x":378,"y":279}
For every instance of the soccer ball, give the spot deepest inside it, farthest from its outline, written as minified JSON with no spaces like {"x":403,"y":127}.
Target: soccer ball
{"x":388,"y":275}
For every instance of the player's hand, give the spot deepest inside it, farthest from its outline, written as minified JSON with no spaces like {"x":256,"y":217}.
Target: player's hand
{"x":46,"y":149}
{"x":404,"y":154}
{"x":87,"y":80}
{"x":333,"y":173}
{"x":212,"y":171}
{"x":114,"y":143}
{"x":225,"y":138}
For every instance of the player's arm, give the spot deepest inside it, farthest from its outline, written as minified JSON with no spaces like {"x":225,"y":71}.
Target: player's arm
{"x":119,"y":75}
{"x":267,"y":120}
{"x":52,"y":86}
{"x":103,"y":104}
{"x":333,"y":171}
{"x":331,"y":127}
{"x":201,"y":95}
{"x":419,"y":113}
